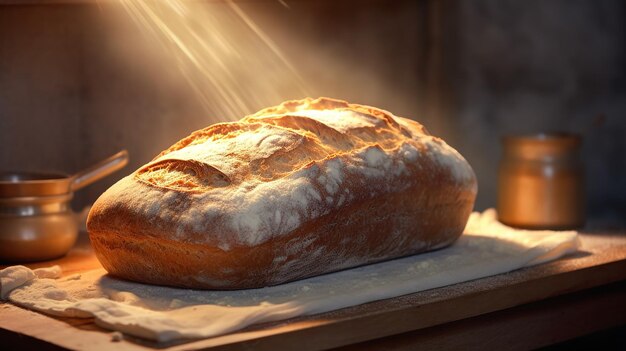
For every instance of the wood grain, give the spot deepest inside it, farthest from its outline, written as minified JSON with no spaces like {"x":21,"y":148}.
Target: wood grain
{"x":548,"y":322}
{"x":600,"y":265}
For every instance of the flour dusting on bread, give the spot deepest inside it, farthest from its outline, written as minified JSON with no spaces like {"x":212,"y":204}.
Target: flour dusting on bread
{"x":246,"y":183}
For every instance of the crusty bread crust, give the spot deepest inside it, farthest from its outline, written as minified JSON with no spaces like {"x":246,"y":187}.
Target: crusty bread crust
{"x":301,"y":189}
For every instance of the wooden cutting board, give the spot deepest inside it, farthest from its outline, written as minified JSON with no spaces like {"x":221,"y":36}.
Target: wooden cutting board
{"x":598,"y":268}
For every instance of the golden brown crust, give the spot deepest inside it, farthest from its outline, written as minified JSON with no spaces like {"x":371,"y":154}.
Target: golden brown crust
{"x":300,"y":189}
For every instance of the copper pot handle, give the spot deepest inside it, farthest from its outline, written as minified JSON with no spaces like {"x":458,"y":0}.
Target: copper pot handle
{"x":99,"y":170}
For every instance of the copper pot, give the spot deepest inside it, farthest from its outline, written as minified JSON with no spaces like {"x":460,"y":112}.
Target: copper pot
{"x":541,"y":182}
{"x":36,"y":221}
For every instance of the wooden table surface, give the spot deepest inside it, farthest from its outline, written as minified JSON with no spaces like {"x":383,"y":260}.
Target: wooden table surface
{"x":527,"y":308}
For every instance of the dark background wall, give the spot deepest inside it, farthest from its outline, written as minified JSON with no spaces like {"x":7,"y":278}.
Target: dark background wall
{"x":80,"y":81}
{"x":530,"y":66}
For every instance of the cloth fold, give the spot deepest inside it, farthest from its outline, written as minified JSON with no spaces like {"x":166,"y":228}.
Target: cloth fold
{"x":163,"y":314}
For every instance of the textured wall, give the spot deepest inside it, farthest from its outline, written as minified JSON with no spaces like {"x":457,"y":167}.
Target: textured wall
{"x":40,"y":88}
{"x":529,"y":66}
{"x":79,"y":82}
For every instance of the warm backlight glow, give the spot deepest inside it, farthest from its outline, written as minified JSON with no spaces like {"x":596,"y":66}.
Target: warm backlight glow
{"x":233,"y":66}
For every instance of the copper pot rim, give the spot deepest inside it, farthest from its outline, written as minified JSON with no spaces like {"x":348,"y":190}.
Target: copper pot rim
{"x":27,"y":184}
{"x":30,"y":184}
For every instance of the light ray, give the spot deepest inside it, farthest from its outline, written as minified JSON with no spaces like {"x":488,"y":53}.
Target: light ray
{"x":232,"y":66}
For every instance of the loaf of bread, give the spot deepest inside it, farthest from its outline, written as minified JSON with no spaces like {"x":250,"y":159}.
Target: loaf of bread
{"x":296,"y":190}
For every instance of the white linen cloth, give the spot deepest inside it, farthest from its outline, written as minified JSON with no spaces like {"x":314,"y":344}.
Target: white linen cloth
{"x":163,"y":314}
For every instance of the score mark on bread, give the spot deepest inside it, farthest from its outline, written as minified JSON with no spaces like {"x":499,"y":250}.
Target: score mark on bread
{"x":303,"y":188}
{"x":192,"y":176}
